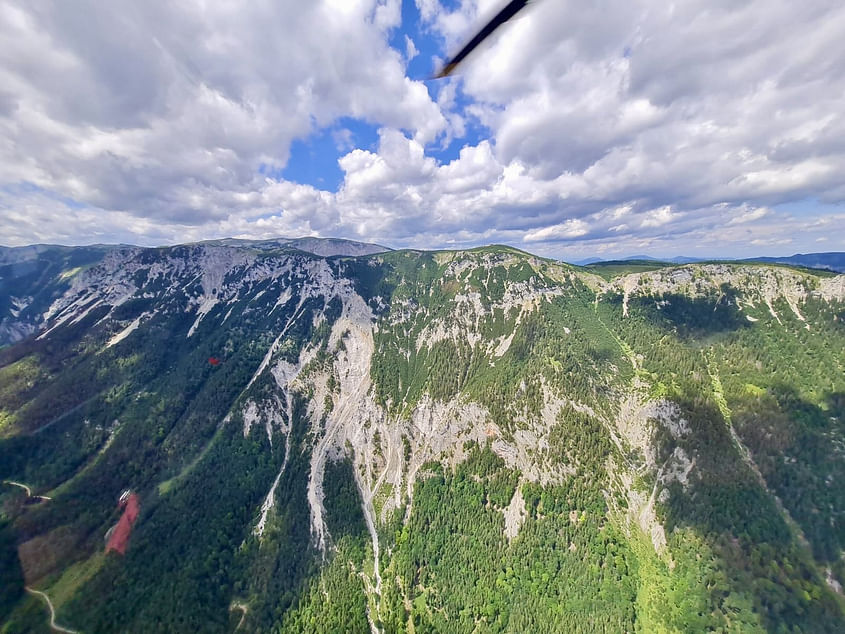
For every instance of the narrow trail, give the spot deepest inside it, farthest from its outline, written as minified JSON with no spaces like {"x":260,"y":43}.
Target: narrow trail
{"x":243,"y":607}
{"x":164,"y":487}
{"x":18,"y":484}
{"x":60,"y":417}
{"x":53,"y":625}
{"x":745,"y":453}
{"x":27,"y":489}
{"x":609,"y":425}
{"x":624,"y":347}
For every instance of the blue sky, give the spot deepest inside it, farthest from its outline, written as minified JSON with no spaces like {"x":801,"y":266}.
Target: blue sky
{"x":598,"y":130}
{"x":314,"y":159}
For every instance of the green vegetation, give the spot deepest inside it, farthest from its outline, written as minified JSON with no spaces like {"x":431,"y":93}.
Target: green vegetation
{"x":672,"y":470}
{"x":459,"y":572}
{"x":11,"y":581}
{"x":727,"y":506}
{"x":614,"y":268}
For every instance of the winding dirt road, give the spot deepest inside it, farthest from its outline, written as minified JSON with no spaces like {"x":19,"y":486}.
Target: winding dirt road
{"x":27,"y":489}
{"x":53,"y":625}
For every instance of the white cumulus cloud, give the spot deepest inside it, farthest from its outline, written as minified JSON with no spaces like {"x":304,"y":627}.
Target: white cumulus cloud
{"x":707,"y":128}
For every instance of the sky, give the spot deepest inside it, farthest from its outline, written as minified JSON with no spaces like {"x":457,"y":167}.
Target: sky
{"x":705,"y":128}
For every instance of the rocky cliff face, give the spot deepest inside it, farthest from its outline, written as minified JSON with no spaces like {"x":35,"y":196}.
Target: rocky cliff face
{"x":33,"y":277}
{"x":617,"y":415}
{"x":752,"y":285}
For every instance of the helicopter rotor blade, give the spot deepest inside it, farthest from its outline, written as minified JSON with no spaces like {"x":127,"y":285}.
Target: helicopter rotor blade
{"x":510,"y":10}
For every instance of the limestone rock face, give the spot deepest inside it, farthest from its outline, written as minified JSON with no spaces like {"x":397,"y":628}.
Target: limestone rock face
{"x":423,"y":438}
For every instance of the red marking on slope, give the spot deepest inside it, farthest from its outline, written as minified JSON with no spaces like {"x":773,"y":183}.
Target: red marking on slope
{"x":214,"y":361}
{"x":119,"y":539}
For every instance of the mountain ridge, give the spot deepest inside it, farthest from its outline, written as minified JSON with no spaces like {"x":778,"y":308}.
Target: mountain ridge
{"x":597,"y":439}
{"x":831,"y":260}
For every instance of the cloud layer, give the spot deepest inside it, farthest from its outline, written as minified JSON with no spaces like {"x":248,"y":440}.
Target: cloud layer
{"x":706,"y":128}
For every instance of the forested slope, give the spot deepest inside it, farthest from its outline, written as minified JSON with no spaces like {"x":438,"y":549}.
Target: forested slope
{"x":416,"y":441}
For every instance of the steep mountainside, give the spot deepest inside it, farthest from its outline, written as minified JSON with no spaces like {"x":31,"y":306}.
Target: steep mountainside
{"x":32,"y":277}
{"x":416,"y":441}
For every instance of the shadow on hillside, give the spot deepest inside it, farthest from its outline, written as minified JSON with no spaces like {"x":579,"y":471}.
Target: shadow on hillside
{"x":693,"y":318}
{"x":789,"y":441}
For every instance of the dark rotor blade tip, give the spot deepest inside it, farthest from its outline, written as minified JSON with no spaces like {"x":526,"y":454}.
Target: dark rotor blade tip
{"x":446,"y":71}
{"x":510,"y":10}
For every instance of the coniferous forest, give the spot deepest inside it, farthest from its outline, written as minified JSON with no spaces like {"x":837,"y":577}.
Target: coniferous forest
{"x":454,"y":441}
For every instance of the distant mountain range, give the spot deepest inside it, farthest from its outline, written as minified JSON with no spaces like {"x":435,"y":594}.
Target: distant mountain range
{"x":833,"y":261}
{"x":639,"y":258}
{"x":329,"y":247}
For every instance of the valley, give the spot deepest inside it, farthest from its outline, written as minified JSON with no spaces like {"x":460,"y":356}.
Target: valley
{"x":412,"y":441}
